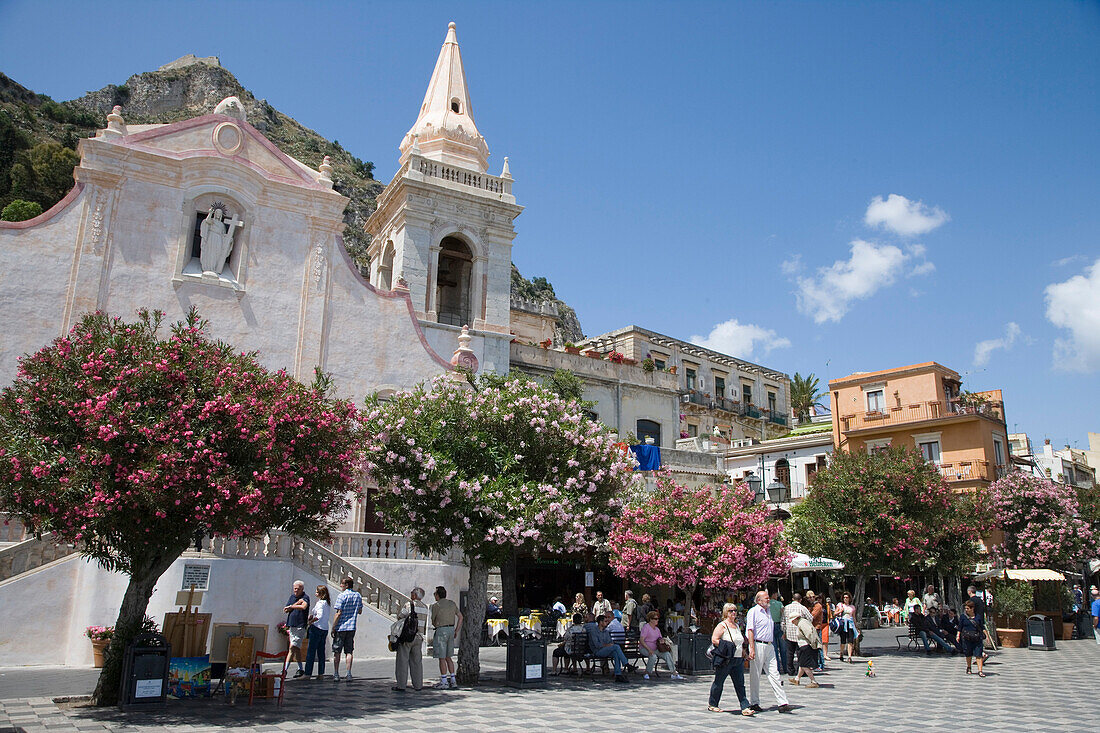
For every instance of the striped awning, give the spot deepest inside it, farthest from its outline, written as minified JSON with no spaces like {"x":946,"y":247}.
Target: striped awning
{"x":1028,"y":574}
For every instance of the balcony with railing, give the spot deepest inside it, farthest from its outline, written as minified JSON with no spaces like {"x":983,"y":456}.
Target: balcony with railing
{"x":968,"y":471}
{"x":920,"y":412}
{"x":496,"y":186}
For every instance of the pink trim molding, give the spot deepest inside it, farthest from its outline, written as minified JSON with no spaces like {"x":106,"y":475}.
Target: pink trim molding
{"x":45,"y":216}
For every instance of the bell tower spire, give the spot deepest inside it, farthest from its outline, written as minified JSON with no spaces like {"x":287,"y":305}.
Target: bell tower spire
{"x":445,"y":130}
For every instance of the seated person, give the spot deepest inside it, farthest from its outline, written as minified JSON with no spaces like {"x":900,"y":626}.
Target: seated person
{"x":558,"y":610}
{"x":893,"y":612}
{"x":647,"y":645}
{"x":492,"y":608}
{"x":616,"y":611}
{"x":949,"y":623}
{"x":565,"y":648}
{"x":602,"y":647}
{"x":928,"y":630}
{"x":616,"y":629}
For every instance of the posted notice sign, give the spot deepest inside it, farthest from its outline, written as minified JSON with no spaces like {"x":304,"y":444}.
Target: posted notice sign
{"x":196,"y":575}
{"x":148,"y":688}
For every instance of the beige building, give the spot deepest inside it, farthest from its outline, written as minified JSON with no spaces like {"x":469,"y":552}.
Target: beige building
{"x":922,"y":406}
{"x":717,"y":391}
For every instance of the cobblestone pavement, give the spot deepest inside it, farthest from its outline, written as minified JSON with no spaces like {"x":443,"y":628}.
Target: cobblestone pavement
{"x":1025,"y":691}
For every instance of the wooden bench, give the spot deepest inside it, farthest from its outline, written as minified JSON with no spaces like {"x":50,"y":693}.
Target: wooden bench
{"x":913,"y":636}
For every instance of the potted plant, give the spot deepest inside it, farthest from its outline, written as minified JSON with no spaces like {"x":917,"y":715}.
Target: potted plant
{"x":672,"y":369}
{"x":593,"y":354}
{"x":615,"y":357}
{"x":545,"y":343}
{"x":1012,"y":602}
{"x":571,"y":348}
{"x":628,"y":361}
{"x":648,"y":365}
{"x":101,"y":639}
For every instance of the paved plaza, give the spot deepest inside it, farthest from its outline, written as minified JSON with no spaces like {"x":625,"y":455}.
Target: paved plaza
{"x":1025,"y":691}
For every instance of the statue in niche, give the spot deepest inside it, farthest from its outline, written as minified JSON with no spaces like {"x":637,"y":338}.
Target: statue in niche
{"x":217,"y":239}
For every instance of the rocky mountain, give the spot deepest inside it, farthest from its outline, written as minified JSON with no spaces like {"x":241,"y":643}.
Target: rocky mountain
{"x":38,"y":138}
{"x":568,"y":326}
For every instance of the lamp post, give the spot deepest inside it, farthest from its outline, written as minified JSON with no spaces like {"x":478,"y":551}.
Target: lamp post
{"x":756,"y":484}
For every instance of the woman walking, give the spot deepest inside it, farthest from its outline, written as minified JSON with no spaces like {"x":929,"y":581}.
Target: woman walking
{"x":730,"y":643}
{"x":320,"y":618}
{"x":807,"y":648}
{"x":971,"y":630}
{"x":846,"y":626}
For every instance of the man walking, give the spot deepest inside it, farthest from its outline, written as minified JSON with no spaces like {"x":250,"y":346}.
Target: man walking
{"x":297,"y":614}
{"x":760,"y":634}
{"x":410,"y":654}
{"x":820,"y":622}
{"x":790,"y":630}
{"x":349,"y":604}
{"x":447,"y":622}
{"x":630,"y":606}
{"x":775,"y":609}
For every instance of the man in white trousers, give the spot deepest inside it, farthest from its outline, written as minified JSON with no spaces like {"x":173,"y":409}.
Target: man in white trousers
{"x":760,"y":634}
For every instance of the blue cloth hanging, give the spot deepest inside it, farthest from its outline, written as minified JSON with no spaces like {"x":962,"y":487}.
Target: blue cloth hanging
{"x":649,"y":457}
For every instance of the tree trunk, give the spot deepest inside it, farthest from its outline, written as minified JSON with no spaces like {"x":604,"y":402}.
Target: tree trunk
{"x":952,"y":593}
{"x":687,"y":606}
{"x":508,"y":597}
{"x":860,"y":602}
{"x":131,"y":616}
{"x":469,"y":646}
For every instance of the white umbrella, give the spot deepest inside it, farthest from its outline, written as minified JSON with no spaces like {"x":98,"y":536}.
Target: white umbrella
{"x":803,"y":563}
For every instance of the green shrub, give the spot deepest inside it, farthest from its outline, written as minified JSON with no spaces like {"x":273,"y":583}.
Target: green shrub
{"x":20,"y":210}
{"x":1014,"y":600}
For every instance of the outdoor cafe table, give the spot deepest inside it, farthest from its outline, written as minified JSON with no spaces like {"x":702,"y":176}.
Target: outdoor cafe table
{"x":532,"y":622}
{"x":563,"y":627}
{"x":675,"y":622}
{"x":496,"y":625}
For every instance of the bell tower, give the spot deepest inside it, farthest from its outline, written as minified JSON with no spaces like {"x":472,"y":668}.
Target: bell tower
{"x":444,"y":225}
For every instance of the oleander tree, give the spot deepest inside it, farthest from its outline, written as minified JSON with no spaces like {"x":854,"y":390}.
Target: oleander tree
{"x":491,"y":468}
{"x":1042,"y":523}
{"x":716,"y":538}
{"x":887,"y":512}
{"x":129,"y":445}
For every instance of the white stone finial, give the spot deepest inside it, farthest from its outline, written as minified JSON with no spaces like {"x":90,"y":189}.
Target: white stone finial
{"x":116,"y":126}
{"x":506,"y":172}
{"x":415,"y":149}
{"x":326,"y":172}
{"x":464,"y":358}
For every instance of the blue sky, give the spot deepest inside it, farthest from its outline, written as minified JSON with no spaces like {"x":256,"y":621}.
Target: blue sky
{"x":822,"y":187}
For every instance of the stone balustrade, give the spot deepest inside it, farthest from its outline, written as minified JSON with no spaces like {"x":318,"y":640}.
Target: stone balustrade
{"x":383,"y":547}
{"x":31,"y":554}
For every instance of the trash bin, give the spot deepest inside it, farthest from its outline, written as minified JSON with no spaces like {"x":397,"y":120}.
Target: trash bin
{"x":1040,"y":633}
{"x":691,"y":654}
{"x":145,"y":672}
{"x":526,"y":661}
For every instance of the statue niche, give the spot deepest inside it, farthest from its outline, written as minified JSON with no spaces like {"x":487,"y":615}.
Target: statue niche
{"x":216,"y":235}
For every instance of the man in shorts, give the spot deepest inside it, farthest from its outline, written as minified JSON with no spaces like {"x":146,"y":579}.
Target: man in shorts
{"x":297,"y":613}
{"x":349,"y":604}
{"x":447,"y":621}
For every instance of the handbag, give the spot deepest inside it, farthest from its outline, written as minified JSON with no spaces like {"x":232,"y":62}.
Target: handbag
{"x":664,"y":645}
{"x":834,"y":626}
{"x":409,"y":627}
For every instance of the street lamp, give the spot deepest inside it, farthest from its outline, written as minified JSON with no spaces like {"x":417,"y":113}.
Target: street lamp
{"x":778,"y":493}
{"x":756,"y":484}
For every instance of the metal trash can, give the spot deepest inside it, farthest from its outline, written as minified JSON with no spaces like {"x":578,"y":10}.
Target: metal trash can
{"x":691,"y":654}
{"x":1040,"y":633}
{"x":526,"y":661}
{"x":145,"y":672}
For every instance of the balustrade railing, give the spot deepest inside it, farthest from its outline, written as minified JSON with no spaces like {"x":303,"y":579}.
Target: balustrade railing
{"x":31,"y":554}
{"x":383,"y":547}
{"x":918,"y":412}
{"x":461,"y":176}
{"x":965,"y":470}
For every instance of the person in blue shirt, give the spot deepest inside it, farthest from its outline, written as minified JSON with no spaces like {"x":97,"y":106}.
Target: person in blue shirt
{"x":601,"y":645}
{"x":1095,"y":609}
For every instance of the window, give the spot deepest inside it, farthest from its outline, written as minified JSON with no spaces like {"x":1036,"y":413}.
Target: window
{"x":771,"y":401}
{"x":385,"y":268}
{"x":878,"y":446}
{"x":649,"y":429}
{"x":453,"y":282}
{"x":690,"y":378}
{"x":998,"y":451}
{"x":746,"y":394}
{"x":693,"y":430}
{"x":930,"y":450}
{"x":719,"y":386}
{"x":659,"y":363}
{"x":456,"y":106}
{"x":783,"y":472}
{"x":876,"y":401}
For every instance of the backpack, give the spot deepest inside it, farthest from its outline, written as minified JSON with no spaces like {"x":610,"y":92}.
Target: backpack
{"x":410,"y":627}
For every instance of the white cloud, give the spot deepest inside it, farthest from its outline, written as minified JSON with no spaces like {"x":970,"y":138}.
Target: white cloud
{"x":902,"y":216}
{"x":740,"y":339}
{"x":1068,"y":260}
{"x":829,"y":294}
{"x":1075,"y":305}
{"x":791,"y":266}
{"x":984,"y":349}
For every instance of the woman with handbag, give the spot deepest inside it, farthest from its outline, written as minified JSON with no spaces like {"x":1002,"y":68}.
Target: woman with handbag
{"x":728,"y":644}
{"x":655,"y":647}
{"x":971,"y":631}
{"x":846,"y":625}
